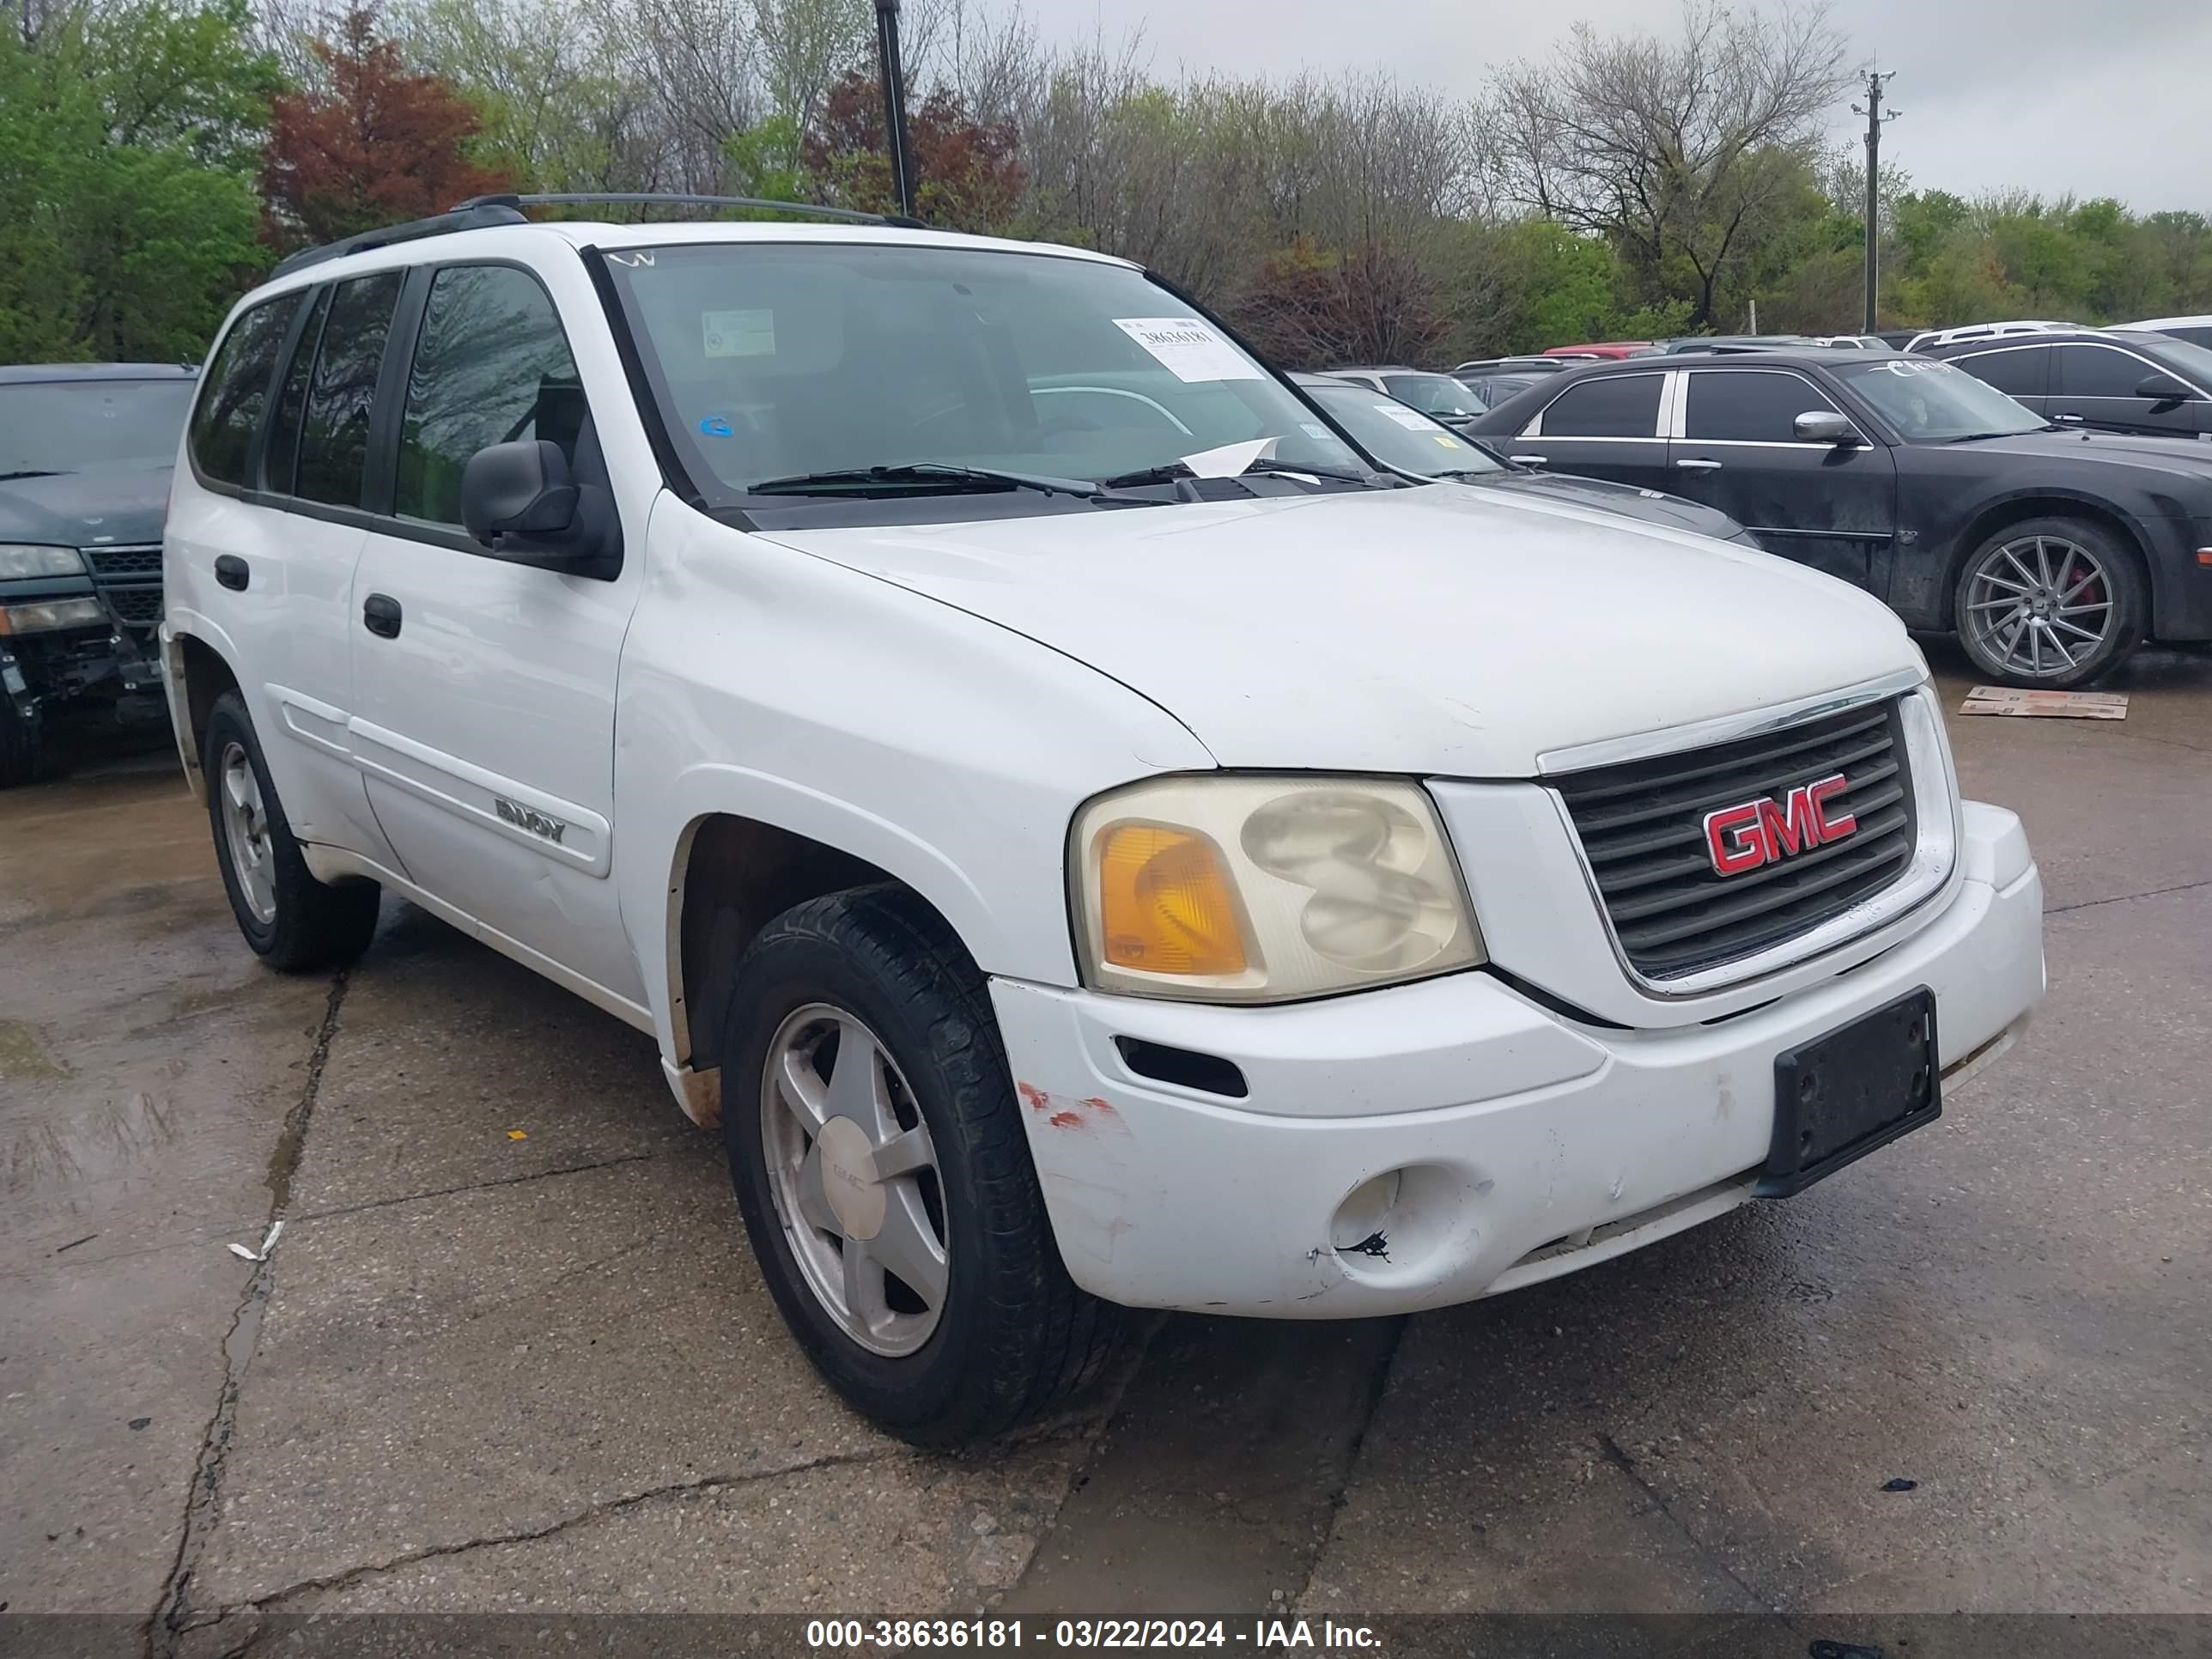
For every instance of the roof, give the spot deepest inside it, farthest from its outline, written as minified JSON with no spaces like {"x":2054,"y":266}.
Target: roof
{"x":47,"y":374}
{"x":1375,"y":368}
{"x":482,"y":239}
{"x":2157,"y":323}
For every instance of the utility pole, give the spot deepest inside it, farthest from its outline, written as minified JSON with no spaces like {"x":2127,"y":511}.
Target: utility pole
{"x":1876,"y":116}
{"x":894,"y":133}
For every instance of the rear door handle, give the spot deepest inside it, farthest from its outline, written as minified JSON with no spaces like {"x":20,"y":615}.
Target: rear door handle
{"x":233,"y":571}
{"x":380,"y":614}
{"x":1695,"y":464}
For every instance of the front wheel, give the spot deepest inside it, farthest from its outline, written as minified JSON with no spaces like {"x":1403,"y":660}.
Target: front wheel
{"x":293,"y":921}
{"x":2050,"y":603}
{"x":884,"y":1173}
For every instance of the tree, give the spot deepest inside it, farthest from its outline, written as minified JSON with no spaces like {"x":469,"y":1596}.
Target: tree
{"x":127,"y":213}
{"x":968,"y":178}
{"x":1685,"y":155}
{"x":380,"y":145}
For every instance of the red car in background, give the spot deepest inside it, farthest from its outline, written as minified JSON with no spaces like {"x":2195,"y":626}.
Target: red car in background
{"x":1610,"y":349}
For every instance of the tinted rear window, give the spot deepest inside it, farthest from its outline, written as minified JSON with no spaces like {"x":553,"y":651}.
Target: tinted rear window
{"x":334,"y":436}
{"x":1619,"y":406}
{"x":237,"y":389}
{"x":2018,"y":371}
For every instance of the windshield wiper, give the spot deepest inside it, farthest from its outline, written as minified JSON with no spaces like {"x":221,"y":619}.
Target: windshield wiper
{"x":30,"y":472}
{"x":841,"y":480}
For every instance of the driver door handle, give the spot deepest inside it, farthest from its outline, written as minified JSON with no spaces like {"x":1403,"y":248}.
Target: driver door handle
{"x":1698,"y":464}
{"x":379,"y":615}
{"x":2069,"y":418}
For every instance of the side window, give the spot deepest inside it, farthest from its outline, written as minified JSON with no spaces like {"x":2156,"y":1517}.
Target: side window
{"x":1621,"y":406}
{"x":2018,"y":372}
{"x":492,"y":366}
{"x":2202,"y":337}
{"x":281,"y":452}
{"x":1747,"y":406}
{"x":236,"y":391}
{"x":334,"y":432}
{"x":2092,"y":370}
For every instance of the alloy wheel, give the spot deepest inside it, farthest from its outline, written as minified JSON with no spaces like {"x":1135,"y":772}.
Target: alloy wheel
{"x":246,"y":831}
{"x":854,"y":1178}
{"x":2039,"y":607}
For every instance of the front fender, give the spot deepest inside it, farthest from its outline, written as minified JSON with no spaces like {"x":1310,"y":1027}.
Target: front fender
{"x":766,"y":684}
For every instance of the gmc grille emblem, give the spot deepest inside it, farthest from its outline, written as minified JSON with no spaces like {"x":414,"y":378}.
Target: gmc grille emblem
{"x":1753,"y":833}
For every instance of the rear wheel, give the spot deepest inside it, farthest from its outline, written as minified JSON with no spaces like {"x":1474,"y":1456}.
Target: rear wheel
{"x":293,"y":921}
{"x":2050,"y":603}
{"x":884,"y":1175}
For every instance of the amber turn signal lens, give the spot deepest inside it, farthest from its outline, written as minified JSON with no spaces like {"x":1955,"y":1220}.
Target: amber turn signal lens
{"x":1165,"y":902}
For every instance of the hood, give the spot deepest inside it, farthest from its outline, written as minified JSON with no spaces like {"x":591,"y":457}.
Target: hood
{"x":2188,"y":457}
{"x":1608,"y":496}
{"x":86,"y":510}
{"x":1441,"y":629}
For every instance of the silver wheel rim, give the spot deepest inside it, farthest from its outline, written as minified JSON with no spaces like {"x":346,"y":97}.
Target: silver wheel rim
{"x":245,"y":828}
{"x":854,"y":1178}
{"x":2040,"y":606}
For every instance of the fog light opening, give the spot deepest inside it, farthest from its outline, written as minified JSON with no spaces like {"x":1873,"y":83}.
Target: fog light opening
{"x":1409,"y":1223}
{"x":1360,"y":1225}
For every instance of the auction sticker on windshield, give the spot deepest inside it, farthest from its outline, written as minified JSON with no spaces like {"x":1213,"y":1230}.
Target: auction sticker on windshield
{"x":740,"y":333}
{"x":1412,"y":419}
{"x":1188,"y":349}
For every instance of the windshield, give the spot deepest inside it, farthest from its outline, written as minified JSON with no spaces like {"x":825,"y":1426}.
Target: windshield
{"x":91,"y":426}
{"x":2191,"y":361}
{"x":1399,"y":436}
{"x":777,"y":362}
{"x":1931,"y":402}
{"x":1434,"y":394}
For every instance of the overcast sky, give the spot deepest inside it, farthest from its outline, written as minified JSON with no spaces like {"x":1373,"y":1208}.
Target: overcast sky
{"x":2094,"y":97}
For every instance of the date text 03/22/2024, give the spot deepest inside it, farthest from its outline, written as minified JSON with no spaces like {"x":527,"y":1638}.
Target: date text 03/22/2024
{"x":1257,"y":1635}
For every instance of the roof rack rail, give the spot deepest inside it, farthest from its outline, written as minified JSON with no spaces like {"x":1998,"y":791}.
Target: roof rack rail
{"x":469,"y":215}
{"x":656,"y":198}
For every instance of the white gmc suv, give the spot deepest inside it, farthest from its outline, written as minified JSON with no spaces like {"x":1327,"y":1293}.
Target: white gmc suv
{"x":1090,"y":835}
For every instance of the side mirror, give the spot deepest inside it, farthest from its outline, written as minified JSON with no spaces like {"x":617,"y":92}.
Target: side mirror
{"x":1823,"y":426}
{"x":2165,"y":389}
{"x":519,"y":502}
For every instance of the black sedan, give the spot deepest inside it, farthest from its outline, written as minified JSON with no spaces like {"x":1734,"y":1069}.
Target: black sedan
{"x":1406,"y":440}
{"x":2111,"y":379}
{"x":2052,"y":552}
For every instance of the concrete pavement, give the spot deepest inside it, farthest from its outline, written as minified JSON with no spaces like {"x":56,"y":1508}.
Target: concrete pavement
{"x":511,"y":1351}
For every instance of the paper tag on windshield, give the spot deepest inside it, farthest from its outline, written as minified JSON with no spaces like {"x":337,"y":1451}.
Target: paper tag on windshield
{"x":740,"y":333}
{"x":1412,"y":419}
{"x":1188,"y":349}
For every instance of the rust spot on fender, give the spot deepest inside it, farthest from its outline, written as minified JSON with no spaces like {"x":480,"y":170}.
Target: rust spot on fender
{"x":1032,"y":1096}
{"x":1097,"y":1105}
{"x":1065,"y":1120}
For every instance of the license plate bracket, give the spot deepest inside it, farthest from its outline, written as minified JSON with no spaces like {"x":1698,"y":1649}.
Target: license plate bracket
{"x":1861,"y":1087}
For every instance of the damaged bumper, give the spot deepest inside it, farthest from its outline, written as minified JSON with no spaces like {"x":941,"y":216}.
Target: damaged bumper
{"x":1427,"y":1145}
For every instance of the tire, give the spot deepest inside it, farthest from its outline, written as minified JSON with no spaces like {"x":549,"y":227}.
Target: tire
{"x":22,"y":748}
{"x":2051,"y":604}
{"x":1010,"y":1334}
{"x":293,"y":922}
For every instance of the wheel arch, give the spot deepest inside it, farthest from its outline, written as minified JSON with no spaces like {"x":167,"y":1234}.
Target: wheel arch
{"x":2019,"y":510}
{"x":199,"y":673}
{"x":730,"y":874}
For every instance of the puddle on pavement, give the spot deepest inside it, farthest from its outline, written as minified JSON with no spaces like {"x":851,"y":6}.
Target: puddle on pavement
{"x":77,"y":1145}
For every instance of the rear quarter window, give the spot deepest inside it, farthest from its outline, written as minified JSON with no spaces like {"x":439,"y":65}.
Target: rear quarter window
{"x":236,"y":393}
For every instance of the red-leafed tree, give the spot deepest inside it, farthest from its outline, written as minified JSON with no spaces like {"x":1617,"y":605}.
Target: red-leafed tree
{"x":966,"y":173}
{"x":379,"y":145}
{"x":1309,"y":307}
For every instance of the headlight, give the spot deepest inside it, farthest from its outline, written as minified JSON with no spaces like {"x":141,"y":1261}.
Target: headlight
{"x":49,"y":615}
{"x":19,"y":559}
{"x":1230,"y":889}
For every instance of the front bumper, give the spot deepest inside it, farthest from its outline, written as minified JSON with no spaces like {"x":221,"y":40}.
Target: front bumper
{"x":1527,"y":1145}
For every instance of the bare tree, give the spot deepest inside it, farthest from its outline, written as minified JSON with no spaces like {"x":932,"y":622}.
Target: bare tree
{"x":1679,"y":151}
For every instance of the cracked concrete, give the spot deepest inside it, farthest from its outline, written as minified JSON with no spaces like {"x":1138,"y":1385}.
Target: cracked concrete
{"x":511,"y":1353}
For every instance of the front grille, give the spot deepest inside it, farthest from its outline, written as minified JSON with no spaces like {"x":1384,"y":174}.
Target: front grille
{"x":1642,"y":825}
{"x":125,"y":561}
{"x":138,"y":607}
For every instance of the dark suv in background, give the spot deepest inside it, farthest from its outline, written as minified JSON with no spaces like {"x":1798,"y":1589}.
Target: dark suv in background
{"x":2105,"y":379}
{"x":86,"y":451}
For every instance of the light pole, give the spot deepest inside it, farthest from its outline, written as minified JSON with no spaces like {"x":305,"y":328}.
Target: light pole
{"x":894,"y":134}
{"x":1873,"y":111}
